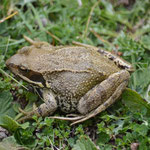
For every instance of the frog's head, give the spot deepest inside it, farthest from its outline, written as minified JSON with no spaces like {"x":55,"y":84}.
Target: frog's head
{"x":21,"y":64}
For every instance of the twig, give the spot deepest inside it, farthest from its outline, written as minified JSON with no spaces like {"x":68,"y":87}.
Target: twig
{"x":89,"y":18}
{"x":52,"y":146}
{"x":82,"y":44}
{"x":8,"y":17}
{"x":54,"y":36}
{"x":28,"y":39}
{"x":7,"y":46}
{"x":100,"y":38}
{"x":7,"y":75}
{"x":139,"y":24}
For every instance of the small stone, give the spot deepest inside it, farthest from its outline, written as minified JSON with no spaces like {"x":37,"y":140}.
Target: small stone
{"x":3,"y":133}
{"x":134,"y":146}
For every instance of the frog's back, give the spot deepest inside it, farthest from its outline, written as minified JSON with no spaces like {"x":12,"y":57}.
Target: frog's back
{"x":75,"y":59}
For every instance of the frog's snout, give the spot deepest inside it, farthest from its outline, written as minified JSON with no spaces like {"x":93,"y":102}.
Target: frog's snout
{"x":15,"y":59}
{"x":13,"y":62}
{"x":8,"y":63}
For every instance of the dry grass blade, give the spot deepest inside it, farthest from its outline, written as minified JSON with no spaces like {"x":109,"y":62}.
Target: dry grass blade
{"x":7,"y":75}
{"x":100,"y":38}
{"x":82,"y":44}
{"x":28,"y":39}
{"x":54,"y":36}
{"x":89,"y":18}
{"x":8,"y":17}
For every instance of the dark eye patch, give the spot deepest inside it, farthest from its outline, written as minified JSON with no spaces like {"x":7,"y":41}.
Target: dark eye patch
{"x":32,"y":75}
{"x":36,"y":77}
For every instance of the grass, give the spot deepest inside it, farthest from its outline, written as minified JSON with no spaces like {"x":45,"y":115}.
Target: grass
{"x":118,"y":27}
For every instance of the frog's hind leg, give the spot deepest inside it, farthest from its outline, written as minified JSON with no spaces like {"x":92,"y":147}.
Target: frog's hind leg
{"x":105,"y":105}
{"x":102,"y":95}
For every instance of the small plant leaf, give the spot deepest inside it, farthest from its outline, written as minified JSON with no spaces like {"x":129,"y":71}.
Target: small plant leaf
{"x":6,"y":104}
{"x":10,"y":143}
{"x":8,"y":123}
{"x":7,"y":111}
{"x":103,"y":138}
{"x":135,"y":102}
{"x":145,"y":40}
{"x":84,"y":143}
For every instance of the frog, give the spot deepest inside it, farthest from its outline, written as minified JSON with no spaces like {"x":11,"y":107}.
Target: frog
{"x":80,"y":80}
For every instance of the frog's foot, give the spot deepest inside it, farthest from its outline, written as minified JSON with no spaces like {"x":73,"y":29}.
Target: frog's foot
{"x":67,"y":118}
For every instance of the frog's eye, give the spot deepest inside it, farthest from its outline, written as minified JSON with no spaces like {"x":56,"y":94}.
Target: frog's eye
{"x":23,"y":69}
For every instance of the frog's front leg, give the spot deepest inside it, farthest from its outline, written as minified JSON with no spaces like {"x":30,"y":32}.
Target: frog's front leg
{"x":45,"y":109}
{"x":102,"y":95}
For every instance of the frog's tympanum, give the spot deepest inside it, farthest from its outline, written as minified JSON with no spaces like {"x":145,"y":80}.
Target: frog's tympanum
{"x":81,"y":79}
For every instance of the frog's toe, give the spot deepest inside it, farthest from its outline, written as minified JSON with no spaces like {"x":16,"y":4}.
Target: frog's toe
{"x":78,"y":121}
{"x":67,"y":118}
{"x":72,"y":115}
{"x":24,"y":112}
{"x":28,"y":117}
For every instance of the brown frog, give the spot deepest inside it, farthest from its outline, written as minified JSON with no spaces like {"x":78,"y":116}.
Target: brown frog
{"x":76,"y":79}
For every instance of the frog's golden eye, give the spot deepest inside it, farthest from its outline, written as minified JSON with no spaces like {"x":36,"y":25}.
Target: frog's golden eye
{"x":23,"y":69}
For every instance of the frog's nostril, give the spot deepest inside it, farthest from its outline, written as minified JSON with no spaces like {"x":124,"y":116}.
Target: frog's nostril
{"x":8,"y":62}
{"x":9,"y":65}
